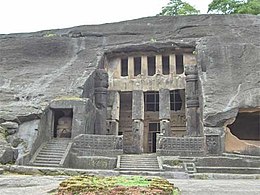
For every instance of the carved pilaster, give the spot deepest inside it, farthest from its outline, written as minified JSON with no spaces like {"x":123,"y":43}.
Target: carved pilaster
{"x":192,"y":102}
{"x":101,"y":85}
{"x":113,"y":113}
{"x":138,"y":134}
{"x":137,"y":124}
{"x":164,"y":111}
{"x":165,"y":127}
{"x":112,"y":127}
{"x":138,"y":105}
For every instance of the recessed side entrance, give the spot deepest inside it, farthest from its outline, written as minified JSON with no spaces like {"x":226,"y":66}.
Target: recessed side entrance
{"x":154,"y":129}
{"x":62,"y":123}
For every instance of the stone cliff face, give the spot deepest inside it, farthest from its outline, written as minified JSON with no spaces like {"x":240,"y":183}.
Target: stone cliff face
{"x":38,"y":67}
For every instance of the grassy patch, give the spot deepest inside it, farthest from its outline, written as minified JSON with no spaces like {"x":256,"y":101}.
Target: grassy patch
{"x":202,"y":177}
{"x":175,"y":162}
{"x":132,"y":181}
{"x":84,"y":185}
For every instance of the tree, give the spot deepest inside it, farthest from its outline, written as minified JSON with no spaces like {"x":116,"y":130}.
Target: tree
{"x":178,"y":7}
{"x":235,"y":7}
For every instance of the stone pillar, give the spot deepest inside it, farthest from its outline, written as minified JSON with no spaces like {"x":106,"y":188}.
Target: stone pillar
{"x":144,"y":65}
{"x":158,"y":64}
{"x":172,"y":64}
{"x":137,"y":124}
{"x":192,"y":102}
{"x":113,"y":118}
{"x":164,"y":112}
{"x":101,"y":85}
{"x":117,"y":71}
{"x":130,"y":67}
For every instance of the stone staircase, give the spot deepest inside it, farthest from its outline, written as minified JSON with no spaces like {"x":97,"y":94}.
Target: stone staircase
{"x":229,"y":164}
{"x":190,"y":167}
{"x":141,"y":162}
{"x":189,"y":164}
{"x":52,"y":153}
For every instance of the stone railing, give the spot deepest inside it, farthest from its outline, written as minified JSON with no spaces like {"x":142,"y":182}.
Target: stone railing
{"x":97,"y":145}
{"x":185,"y":146}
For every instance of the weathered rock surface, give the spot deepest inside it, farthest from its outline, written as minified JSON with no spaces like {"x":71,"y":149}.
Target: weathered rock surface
{"x":37,"y":67}
{"x":7,"y":153}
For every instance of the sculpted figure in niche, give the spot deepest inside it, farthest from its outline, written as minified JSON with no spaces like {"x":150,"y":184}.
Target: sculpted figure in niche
{"x":64,"y":125}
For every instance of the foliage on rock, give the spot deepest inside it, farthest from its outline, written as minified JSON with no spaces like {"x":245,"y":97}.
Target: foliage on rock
{"x":88,"y":185}
{"x":235,"y":7}
{"x":178,"y":7}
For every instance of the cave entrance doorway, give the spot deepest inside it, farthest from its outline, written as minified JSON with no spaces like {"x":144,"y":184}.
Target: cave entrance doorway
{"x":247,"y":127}
{"x":62,"y":123}
{"x":154,"y":130}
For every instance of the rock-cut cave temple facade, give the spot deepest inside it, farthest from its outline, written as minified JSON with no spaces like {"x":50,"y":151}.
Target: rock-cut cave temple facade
{"x":172,"y":86}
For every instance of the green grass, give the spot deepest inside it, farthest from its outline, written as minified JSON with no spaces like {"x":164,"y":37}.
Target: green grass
{"x":132,"y":181}
{"x":98,"y":184}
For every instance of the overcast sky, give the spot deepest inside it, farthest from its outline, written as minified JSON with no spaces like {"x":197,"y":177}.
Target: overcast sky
{"x":35,"y":15}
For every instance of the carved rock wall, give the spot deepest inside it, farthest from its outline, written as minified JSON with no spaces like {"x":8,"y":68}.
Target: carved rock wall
{"x":36,"y":68}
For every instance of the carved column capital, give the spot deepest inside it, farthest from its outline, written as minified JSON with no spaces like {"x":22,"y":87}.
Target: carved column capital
{"x":192,"y":103}
{"x":190,"y":70}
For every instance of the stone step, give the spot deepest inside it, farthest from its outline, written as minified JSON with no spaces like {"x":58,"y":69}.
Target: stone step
{"x":190,"y":167}
{"x":47,"y":158}
{"x":171,"y":175}
{"x":140,"y":166}
{"x":50,"y":154}
{"x":234,"y":170}
{"x":140,"y":159}
{"x":139,"y":169}
{"x":45,"y":164}
{"x":52,"y":151}
{"x":57,"y":145}
{"x":140,"y":163}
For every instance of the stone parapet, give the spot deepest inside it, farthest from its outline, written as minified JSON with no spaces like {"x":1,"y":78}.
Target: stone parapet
{"x":99,"y":145}
{"x":92,"y":162}
{"x":184,"y":146}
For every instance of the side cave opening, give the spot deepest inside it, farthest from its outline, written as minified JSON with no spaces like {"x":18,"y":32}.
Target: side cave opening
{"x":62,"y":123}
{"x":247,"y":127}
